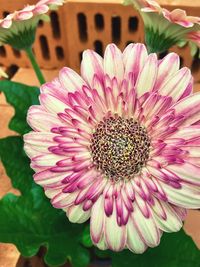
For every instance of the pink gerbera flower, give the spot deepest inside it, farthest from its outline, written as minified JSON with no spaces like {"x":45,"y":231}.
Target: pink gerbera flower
{"x":119,"y":145}
{"x":169,"y":27}
{"x":18,"y":28}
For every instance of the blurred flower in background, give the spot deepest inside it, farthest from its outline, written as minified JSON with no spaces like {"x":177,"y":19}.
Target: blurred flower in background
{"x":118,"y":145}
{"x":164,"y":28}
{"x":18,"y":28}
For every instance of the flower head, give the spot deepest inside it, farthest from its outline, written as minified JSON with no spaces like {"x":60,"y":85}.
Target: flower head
{"x":164,"y":28}
{"x":18,"y":28}
{"x":119,"y":145}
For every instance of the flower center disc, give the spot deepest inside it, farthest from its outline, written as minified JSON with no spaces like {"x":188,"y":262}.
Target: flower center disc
{"x":120,"y":147}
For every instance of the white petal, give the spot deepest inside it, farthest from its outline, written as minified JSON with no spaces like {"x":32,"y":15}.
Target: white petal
{"x":190,"y":108}
{"x":176,"y":85}
{"x":146,"y":227}
{"x":134,"y":58}
{"x":63,"y":200}
{"x":39,"y":139}
{"x":147,"y":76}
{"x":71,"y":80}
{"x":76,"y":214}
{"x":47,"y":160}
{"x":52,"y":104}
{"x":186,"y":197}
{"x":167,"y":67}
{"x":40,"y":120}
{"x":102,"y":244}
{"x":134,"y":239}
{"x":187,"y":172}
{"x":115,"y":235}
{"x":172,"y":222}
{"x":113,"y":63}
{"x":97,"y":220}
{"x":47,"y":177}
{"x":92,"y":64}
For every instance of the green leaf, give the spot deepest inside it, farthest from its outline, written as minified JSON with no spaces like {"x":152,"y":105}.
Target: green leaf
{"x":16,"y":163}
{"x":21,"y":97}
{"x":86,"y":239}
{"x":175,"y":250}
{"x":29,"y":221}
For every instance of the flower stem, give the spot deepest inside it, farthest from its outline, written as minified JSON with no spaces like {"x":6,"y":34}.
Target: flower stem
{"x":35,"y":65}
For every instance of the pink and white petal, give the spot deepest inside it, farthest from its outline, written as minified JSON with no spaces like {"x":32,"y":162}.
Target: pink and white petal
{"x":76,"y":214}
{"x":71,"y":80}
{"x":183,"y":107}
{"x":181,"y":212}
{"x":34,"y":150}
{"x":55,"y":89}
{"x":171,"y":222}
{"x":115,"y":235}
{"x":187,"y":196}
{"x":147,"y":76}
{"x":24,"y":15}
{"x":187,"y":133}
{"x":42,"y":121}
{"x":168,"y":66}
{"x":189,"y":89}
{"x":187,"y":172}
{"x":135,"y":240}
{"x":134,"y":58}
{"x":113,"y":63}
{"x":91,"y":65}
{"x":102,"y":244}
{"x":176,"y":84}
{"x":40,"y":9}
{"x":39,"y":139}
{"x":97,"y":220}
{"x":146,"y":227}
{"x":52,"y":192}
{"x":31,"y":151}
{"x":52,"y":104}
{"x":64,"y":200}
{"x":48,"y":177}
{"x":47,"y":160}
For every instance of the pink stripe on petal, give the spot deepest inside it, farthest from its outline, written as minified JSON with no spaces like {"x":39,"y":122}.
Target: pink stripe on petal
{"x":108,"y":206}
